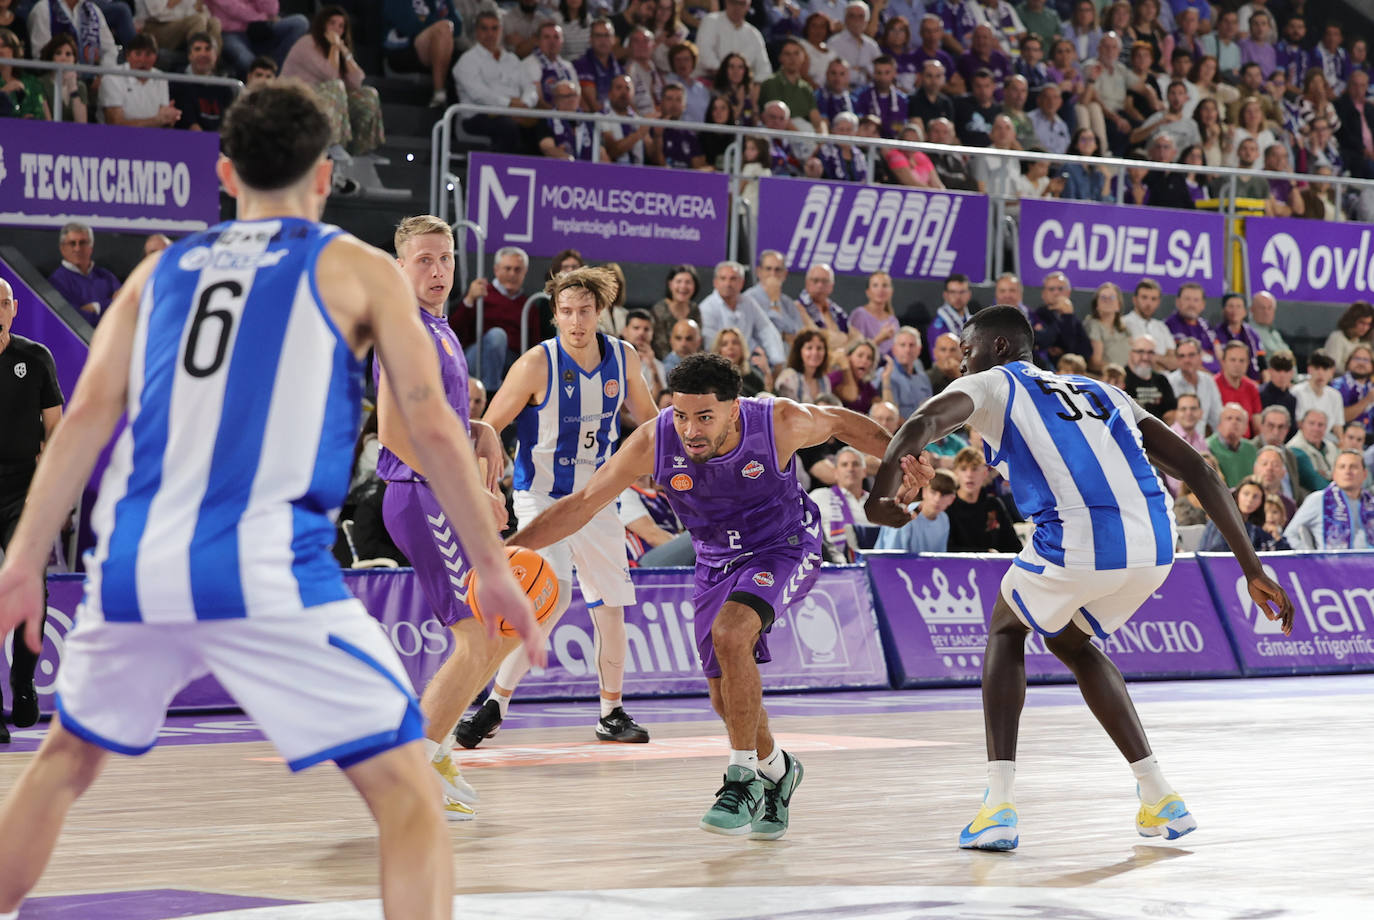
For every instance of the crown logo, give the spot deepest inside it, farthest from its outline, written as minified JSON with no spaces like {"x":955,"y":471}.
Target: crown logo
{"x":963,"y":607}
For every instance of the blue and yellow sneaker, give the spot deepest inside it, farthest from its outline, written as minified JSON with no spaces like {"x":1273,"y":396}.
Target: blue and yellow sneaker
{"x":1168,"y":818}
{"x":994,"y":828}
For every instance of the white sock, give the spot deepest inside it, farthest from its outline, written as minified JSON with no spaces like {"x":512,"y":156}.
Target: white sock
{"x":608,"y":706}
{"x":1153,"y":786}
{"x":431,"y":752}
{"x":1001,"y":776}
{"x":502,"y":701}
{"x":12,"y":915}
{"x":446,"y":746}
{"x":773,"y":766}
{"x":748,"y":759}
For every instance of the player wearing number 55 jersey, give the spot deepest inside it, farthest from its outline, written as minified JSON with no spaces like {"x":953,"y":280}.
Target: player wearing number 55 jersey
{"x":1078,"y":455}
{"x":565,"y":396}
{"x":728,"y":468}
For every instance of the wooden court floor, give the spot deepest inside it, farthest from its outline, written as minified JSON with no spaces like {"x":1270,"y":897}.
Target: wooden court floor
{"x":1281,"y":784}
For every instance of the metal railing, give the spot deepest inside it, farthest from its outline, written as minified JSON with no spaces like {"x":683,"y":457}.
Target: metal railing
{"x":102,"y":71}
{"x":443,"y":157}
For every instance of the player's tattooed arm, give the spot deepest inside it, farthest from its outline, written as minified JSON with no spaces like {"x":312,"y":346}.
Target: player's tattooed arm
{"x":572,"y":512}
{"x":1174,"y":456}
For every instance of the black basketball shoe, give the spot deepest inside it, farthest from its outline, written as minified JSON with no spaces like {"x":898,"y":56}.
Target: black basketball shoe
{"x":25,"y":707}
{"x":618,"y":726}
{"x":482,"y":724}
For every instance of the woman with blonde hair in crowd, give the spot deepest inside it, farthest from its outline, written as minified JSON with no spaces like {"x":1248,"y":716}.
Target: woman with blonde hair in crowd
{"x":755,"y":374}
{"x":323,"y":59}
{"x":1111,"y":341}
{"x":1250,"y":124}
{"x":875,"y":320}
{"x":808,"y":363}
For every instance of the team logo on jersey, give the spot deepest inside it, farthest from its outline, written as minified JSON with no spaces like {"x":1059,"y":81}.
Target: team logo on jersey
{"x":682,"y":482}
{"x":752,"y":470}
{"x":567,"y":376}
{"x":679,"y":463}
{"x":569,"y":391}
{"x":763,"y":579}
{"x":21,"y":370}
{"x":611,"y":389}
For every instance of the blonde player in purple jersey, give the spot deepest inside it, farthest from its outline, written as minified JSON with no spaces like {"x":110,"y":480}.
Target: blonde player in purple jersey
{"x":728,"y":467}
{"x":235,"y":355}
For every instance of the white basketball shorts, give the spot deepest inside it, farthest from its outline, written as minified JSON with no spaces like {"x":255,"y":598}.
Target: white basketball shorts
{"x":1097,"y":602}
{"x":324,"y":684}
{"x":597,"y":551}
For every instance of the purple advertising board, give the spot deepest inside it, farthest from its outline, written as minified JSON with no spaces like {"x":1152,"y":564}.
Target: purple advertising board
{"x":860,"y":229}
{"x":827,"y":640}
{"x":1310,"y":259}
{"x":630,"y":213}
{"x":1095,"y":243}
{"x":934,"y":610}
{"x":1333,"y":629}
{"x":144,"y":180}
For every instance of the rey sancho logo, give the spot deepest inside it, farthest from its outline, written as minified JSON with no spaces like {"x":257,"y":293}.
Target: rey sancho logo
{"x":1282,"y":264}
{"x":955,"y":618}
{"x":511,"y":188}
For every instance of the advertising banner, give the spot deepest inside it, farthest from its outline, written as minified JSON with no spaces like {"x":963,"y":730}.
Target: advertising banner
{"x":860,"y":229}
{"x":1333,"y":630}
{"x":827,"y":640}
{"x":934,"y":611}
{"x":1310,"y":259}
{"x":143,"y":180}
{"x":631,"y":213}
{"x":1095,"y":243}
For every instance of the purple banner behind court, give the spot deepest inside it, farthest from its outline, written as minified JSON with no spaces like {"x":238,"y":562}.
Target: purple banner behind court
{"x":1333,"y":629}
{"x":860,"y":229}
{"x":1094,"y":243}
{"x":1310,"y":259}
{"x":143,"y":180}
{"x":630,"y":213}
{"x":935,"y":609}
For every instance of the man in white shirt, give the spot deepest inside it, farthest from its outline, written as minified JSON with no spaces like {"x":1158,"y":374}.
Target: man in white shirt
{"x":726,"y":307}
{"x":1341,"y":516}
{"x":854,"y":47}
{"x":722,"y":33}
{"x":1189,"y":377}
{"x":487,"y":74}
{"x":135,"y":101}
{"x":1311,"y":441}
{"x":843,"y":503}
{"x":1316,"y":393}
{"x":1141,"y":322}
{"x":75,"y":11}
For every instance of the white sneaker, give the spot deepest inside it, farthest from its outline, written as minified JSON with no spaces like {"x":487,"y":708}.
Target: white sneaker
{"x":457,"y":811}
{"x":439,"y":100}
{"x":455,"y":787}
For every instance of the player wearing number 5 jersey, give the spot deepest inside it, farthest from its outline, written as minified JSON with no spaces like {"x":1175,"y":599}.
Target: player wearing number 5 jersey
{"x":235,"y":356}
{"x":1078,"y":455}
{"x":565,"y":396}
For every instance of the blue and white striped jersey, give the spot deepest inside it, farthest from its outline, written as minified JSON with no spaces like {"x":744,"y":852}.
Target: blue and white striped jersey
{"x":567,"y":437}
{"x":243,"y":405}
{"x":1071,"y":449}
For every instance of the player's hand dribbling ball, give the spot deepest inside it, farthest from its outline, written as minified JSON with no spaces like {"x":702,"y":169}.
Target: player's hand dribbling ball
{"x":535,"y":576}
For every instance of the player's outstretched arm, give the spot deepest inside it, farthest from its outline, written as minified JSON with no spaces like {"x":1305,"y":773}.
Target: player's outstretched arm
{"x":570,"y":514}
{"x":937,"y":417}
{"x":1174,"y":456}
{"x":438,"y":439}
{"x":69,"y":456}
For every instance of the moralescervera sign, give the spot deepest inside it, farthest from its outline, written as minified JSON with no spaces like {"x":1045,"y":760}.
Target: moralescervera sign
{"x":140,"y":180}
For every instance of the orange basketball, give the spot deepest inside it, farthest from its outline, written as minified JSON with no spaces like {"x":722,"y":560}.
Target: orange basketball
{"x":534,"y":575}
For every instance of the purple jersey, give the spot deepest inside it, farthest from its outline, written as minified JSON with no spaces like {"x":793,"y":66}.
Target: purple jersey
{"x":453,"y":371}
{"x":740,"y":503}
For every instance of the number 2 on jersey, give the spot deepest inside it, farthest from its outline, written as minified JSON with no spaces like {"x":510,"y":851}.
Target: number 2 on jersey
{"x":1074,"y":412}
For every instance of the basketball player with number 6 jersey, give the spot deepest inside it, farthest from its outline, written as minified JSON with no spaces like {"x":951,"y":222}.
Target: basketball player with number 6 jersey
{"x":235,"y":355}
{"x":565,"y":396}
{"x":728,"y":464}
{"x":1078,"y":455}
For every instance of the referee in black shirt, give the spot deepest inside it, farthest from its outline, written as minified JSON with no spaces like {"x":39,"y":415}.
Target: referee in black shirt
{"x":30,"y":408}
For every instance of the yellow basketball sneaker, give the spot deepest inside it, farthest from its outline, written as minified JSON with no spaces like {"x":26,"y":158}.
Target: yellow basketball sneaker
{"x":455,"y":787}
{"x":1168,"y":818}
{"x":994,"y":828}
{"x":457,"y":811}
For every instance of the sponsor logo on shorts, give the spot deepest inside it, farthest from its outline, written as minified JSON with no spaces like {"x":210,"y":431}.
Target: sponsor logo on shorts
{"x":611,"y":389}
{"x":752,"y":470}
{"x":682,"y":482}
{"x":763,"y":579}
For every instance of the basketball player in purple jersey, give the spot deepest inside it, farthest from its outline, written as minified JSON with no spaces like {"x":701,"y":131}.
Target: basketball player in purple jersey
{"x":424,"y":251}
{"x":727,"y":464}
